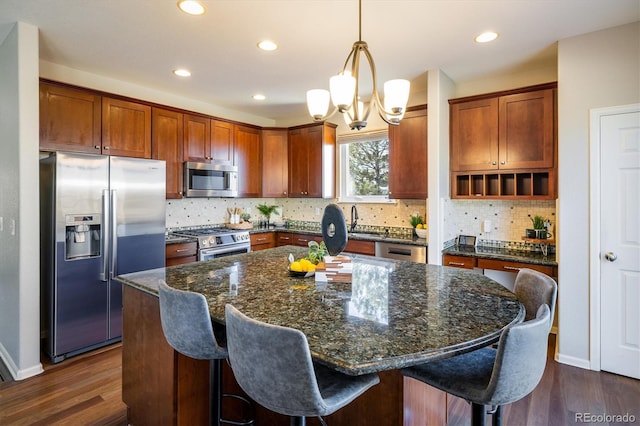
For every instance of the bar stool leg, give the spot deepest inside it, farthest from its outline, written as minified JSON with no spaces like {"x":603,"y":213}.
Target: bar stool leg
{"x":215,"y":400}
{"x":478,"y":414}
{"x":298,"y":421}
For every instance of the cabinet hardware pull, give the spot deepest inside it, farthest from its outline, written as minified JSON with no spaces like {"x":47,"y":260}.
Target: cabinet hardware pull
{"x":105,"y":148}
{"x":510,"y":268}
{"x":493,"y":163}
{"x":96,"y":146}
{"x":261,"y":239}
{"x":181,"y":250}
{"x":456,"y":263}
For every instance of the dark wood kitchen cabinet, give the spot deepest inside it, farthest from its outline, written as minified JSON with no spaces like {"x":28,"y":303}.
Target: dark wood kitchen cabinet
{"x":275,"y":170}
{"x":222,"y":141}
{"x":181,"y":253}
{"x":503,"y":145}
{"x":197,"y":138}
{"x":126,"y":128}
{"x":167,"y":144}
{"x":474,"y":135}
{"x":296,"y":239}
{"x":263,"y":241}
{"x":408,"y":155}
{"x":247,"y":155}
{"x":70,"y":119}
{"x":312,"y":161}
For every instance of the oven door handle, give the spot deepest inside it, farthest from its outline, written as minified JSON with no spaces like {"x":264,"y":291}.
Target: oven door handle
{"x":236,"y":248}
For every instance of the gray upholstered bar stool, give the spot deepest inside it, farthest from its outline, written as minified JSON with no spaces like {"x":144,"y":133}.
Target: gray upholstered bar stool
{"x":489,"y":376}
{"x":187,"y":326}
{"x":533,"y":289}
{"x":273,"y":366}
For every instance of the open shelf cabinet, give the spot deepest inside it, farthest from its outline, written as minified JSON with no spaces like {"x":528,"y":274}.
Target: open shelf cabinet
{"x":532,"y":184}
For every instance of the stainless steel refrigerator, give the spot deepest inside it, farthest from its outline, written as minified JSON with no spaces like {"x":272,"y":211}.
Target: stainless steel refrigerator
{"x":100,"y":217}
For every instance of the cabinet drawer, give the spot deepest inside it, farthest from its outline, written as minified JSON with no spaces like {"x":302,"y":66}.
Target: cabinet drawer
{"x":361,"y":247}
{"x":302,"y":240}
{"x":458,"y":261}
{"x":263,"y":241}
{"x":180,"y":250}
{"x":500,"y":265}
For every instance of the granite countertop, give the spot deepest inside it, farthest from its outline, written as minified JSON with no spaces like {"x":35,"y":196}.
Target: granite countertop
{"x":393,"y":314}
{"x":496,"y":253}
{"x":363,"y":236}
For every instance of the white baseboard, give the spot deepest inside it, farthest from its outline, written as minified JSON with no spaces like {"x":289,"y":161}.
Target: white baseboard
{"x":18,"y":374}
{"x":576,"y":362}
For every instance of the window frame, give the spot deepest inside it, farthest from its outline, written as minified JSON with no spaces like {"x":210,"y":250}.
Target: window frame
{"x":343,"y":167}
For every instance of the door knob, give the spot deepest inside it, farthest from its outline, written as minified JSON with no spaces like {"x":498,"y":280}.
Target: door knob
{"x":610,"y":256}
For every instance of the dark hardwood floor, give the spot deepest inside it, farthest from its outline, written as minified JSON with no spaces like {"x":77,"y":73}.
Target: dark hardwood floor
{"x":86,"y":390}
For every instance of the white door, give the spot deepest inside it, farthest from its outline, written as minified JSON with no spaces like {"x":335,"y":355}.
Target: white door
{"x":620,"y":243}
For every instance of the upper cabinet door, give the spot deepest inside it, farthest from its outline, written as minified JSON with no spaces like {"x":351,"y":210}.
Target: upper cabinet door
{"x":298,"y":163}
{"x":167,"y":144}
{"x":126,"y":128}
{"x":527,"y":130}
{"x":408,"y":156}
{"x":247,"y":157}
{"x":69,"y":119}
{"x":474,"y":135}
{"x":197,"y":138}
{"x":222,"y":141}
{"x":274,"y":154}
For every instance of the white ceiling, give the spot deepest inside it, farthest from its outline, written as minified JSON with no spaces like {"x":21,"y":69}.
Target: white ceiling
{"x":142,"y":41}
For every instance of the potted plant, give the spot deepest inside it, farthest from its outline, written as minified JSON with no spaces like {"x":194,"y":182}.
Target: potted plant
{"x":539,"y":230}
{"x":418,"y":225}
{"x":267,"y":211}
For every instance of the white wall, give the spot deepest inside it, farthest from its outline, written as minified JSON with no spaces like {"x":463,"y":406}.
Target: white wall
{"x":441,"y":89}
{"x":19,"y":204}
{"x":595,"y":70}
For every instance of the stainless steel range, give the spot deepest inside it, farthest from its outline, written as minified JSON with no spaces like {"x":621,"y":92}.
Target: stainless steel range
{"x":218,"y":242}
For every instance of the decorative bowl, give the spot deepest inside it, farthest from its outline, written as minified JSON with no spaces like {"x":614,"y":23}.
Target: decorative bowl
{"x":421,"y":233}
{"x":301,"y":274}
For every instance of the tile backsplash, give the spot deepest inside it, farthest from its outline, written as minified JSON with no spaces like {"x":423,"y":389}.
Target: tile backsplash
{"x":508,"y":218}
{"x":205,"y":211}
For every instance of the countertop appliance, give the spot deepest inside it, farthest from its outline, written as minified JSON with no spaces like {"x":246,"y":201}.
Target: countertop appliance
{"x":401,"y":252}
{"x":218,"y":242}
{"x":217,"y":179}
{"x":100,"y":217}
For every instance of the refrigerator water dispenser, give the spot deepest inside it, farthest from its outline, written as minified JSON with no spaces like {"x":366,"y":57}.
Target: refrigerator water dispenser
{"x":82,"y":236}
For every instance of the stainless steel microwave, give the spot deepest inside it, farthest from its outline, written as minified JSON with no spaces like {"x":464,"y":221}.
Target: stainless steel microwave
{"x":210,"y":180}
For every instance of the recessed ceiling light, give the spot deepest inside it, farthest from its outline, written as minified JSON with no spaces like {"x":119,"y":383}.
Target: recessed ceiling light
{"x":267,"y":45}
{"x":181,"y":72}
{"x":259,"y":97}
{"x":191,"y":7}
{"x":486,"y":37}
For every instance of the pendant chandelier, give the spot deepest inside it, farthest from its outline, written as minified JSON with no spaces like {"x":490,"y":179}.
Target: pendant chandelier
{"x":344,"y":91}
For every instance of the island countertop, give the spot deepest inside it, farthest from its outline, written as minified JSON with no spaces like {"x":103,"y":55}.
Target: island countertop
{"x":393,"y":314}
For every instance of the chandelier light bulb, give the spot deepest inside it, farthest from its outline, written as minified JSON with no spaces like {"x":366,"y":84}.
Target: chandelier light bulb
{"x":343,"y":89}
{"x":318,"y":103}
{"x":396,"y":96}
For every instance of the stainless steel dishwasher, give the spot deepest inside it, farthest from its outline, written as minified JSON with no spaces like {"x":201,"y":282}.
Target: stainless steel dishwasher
{"x":401,"y":252}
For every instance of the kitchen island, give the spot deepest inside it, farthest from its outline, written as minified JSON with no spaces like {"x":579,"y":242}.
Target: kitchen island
{"x":392,"y":314}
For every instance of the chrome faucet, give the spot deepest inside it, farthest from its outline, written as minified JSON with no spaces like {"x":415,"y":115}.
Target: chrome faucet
{"x":354,"y":217}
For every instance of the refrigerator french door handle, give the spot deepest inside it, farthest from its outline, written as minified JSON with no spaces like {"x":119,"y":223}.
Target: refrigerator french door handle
{"x":114,"y":234}
{"x":105,"y":236}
